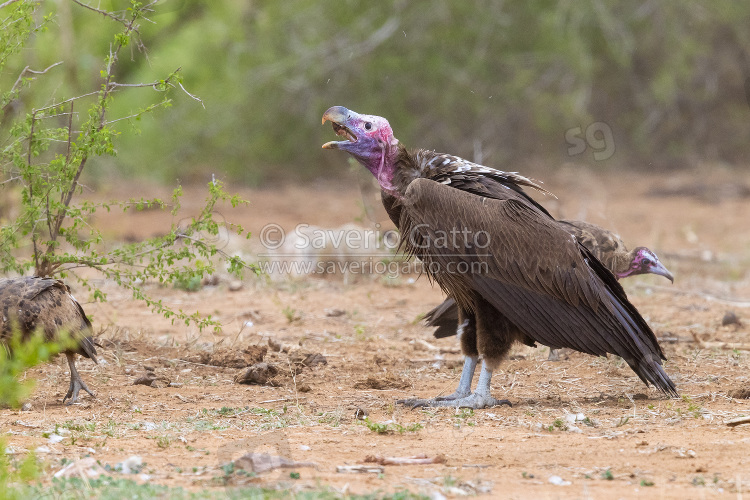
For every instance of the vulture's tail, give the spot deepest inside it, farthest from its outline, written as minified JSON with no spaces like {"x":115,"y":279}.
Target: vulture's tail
{"x":86,"y":347}
{"x":445,"y":317}
{"x":648,"y":366}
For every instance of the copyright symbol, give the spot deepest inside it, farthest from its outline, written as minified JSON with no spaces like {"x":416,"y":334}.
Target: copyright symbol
{"x":272,"y":236}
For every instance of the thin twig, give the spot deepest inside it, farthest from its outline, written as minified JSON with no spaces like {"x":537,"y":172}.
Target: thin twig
{"x":28,"y":70}
{"x":7,"y":3}
{"x":730,"y":301}
{"x":105,"y":13}
{"x":191,"y":95}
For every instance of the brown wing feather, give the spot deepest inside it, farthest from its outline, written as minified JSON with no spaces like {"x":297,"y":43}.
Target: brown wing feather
{"x":533,"y":272}
{"x":45,"y":303}
{"x":602,"y":243}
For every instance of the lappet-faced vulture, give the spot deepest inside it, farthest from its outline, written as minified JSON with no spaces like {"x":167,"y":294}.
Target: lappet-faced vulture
{"x":511,"y":268}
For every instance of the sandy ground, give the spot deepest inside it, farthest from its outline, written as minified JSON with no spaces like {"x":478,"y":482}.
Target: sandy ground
{"x":587,"y":423}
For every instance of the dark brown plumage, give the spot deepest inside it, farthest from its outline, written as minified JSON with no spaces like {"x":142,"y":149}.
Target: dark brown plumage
{"x":45,"y":303}
{"x":605,"y":245}
{"x":513,"y":271}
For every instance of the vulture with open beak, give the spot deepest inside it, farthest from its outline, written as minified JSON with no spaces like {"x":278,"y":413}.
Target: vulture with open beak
{"x":602,"y":243}
{"x":46,"y":303}
{"x":513,"y":271}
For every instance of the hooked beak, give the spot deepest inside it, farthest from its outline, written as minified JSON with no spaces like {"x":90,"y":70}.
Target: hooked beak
{"x":658,"y":268}
{"x":339,"y":116}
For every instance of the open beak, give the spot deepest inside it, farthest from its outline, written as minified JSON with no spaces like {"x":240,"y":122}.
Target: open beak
{"x":339,"y":116}
{"x":658,"y":268}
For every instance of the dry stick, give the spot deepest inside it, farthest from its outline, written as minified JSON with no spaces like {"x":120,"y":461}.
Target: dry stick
{"x":733,"y":302}
{"x":7,"y":3}
{"x":28,"y":70}
{"x":738,"y":421}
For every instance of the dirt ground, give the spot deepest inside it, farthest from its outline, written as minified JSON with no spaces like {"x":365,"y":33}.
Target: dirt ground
{"x":583,"y":427}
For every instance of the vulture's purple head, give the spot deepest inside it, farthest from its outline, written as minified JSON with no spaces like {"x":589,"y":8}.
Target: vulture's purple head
{"x":646,"y":262}
{"x":369,"y":139}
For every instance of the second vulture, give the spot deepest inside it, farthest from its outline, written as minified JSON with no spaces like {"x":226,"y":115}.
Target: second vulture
{"x":511,"y":268}
{"x":32,"y":303}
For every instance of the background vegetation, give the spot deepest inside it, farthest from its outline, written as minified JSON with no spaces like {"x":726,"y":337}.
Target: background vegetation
{"x":668,"y":78}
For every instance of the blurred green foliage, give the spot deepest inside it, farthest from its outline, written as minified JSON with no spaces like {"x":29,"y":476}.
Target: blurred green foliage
{"x":17,"y":354}
{"x":508,"y":78}
{"x":50,"y":148}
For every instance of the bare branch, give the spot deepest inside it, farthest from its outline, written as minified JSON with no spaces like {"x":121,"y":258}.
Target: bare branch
{"x":105,"y":13}
{"x":191,"y":95}
{"x":28,"y":70}
{"x":66,"y":101}
{"x":5,"y":4}
{"x":115,"y":84}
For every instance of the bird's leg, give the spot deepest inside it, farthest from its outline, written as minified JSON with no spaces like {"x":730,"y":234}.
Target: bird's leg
{"x":554,"y":355}
{"x":463,"y":389}
{"x":76,"y":383}
{"x":480,"y":398}
{"x":464,"y":383}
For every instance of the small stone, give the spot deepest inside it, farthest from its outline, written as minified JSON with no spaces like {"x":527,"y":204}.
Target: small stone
{"x":26,"y":407}
{"x":334,"y":313}
{"x":210,"y":280}
{"x":55,"y":438}
{"x":558,"y":481}
{"x":145,"y":379}
{"x":131,"y":465}
{"x":360,"y":414}
{"x":235,"y":285}
{"x":314,"y":359}
{"x":740,"y":393}
{"x":152,"y":380}
{"x":259,"y":373}
{"x":730,"y":318}
{"x":275,"y":345}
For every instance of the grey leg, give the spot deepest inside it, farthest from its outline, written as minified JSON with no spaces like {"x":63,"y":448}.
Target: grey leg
{"x":480,"y":398}
{"x":464,"y":384}
{"x":463,"y":390}
{"x":554,"y":355}
{"x":76,"y":384}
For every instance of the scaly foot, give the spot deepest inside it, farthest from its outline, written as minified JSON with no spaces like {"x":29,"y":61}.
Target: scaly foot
{"x":75,"y":386}
{"x":474,"y":401}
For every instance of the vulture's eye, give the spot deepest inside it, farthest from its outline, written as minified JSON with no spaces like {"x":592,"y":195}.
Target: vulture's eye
{"x":647,"y":262}
{"x":368,"y":126}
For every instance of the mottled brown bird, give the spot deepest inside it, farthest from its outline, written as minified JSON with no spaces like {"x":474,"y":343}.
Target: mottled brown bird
{"x":509,"y":265}
{"x":609,"y":248}
{"x":32,"y":302}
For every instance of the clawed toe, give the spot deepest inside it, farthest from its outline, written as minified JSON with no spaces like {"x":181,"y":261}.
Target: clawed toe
{"x":474,"y":401}
{"x":75,"y":387}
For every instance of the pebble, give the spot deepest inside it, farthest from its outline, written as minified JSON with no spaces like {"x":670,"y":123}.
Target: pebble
{"x":730,"y":318}
{"x":131,"y":464}
{"x":558,"y":481}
